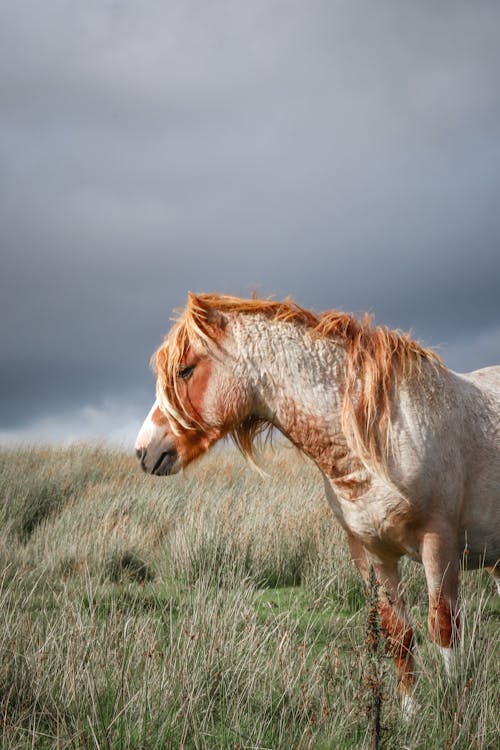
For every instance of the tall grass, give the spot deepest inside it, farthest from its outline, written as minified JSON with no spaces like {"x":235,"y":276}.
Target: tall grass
{"x":216,"y":609}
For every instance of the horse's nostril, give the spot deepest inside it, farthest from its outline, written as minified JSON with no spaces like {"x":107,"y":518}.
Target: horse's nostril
{"x":165,"y":462}
{"x":140,"y":453}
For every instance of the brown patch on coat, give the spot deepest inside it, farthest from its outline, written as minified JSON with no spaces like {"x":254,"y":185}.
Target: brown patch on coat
{"x":444,"y":624}
{"x":158,"y":418}
{"x":191,"y":444}
{"x":399,"y":643}
{"x":330,"y":452}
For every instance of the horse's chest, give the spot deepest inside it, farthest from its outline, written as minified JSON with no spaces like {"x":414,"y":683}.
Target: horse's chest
{"x":349,"y":477}
{"x":372,"y":516}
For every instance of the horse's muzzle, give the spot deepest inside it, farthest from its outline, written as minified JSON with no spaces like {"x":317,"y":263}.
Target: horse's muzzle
{"x":166,"y":463}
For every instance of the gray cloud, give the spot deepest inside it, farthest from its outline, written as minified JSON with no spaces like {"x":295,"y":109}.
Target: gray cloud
{"x":345,"y":156}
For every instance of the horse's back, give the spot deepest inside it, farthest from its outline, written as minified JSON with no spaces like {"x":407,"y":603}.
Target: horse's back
{"x":482,"y":502}
{"x":487,"y":379}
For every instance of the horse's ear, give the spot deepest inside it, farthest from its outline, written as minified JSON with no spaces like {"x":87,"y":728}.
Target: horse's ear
{"x":193,"y":300}
{"x":206,"y":315}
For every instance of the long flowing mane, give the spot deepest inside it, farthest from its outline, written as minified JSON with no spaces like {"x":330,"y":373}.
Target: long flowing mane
{"x":377,"y":360}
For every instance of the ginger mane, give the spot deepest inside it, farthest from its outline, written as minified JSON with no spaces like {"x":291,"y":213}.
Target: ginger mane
{"x":378,"y":359}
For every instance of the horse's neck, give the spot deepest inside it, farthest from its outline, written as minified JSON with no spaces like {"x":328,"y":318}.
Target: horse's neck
{"x":297,"y":380}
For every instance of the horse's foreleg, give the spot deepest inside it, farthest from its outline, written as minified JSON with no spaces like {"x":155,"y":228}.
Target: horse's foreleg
{"x":392,"y":611}
{"x":358,"y":555}
{"x":396,"y":627}
{"x":441,"y":571}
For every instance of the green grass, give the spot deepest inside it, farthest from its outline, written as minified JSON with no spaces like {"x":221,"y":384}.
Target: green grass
{"x":216,"y":609}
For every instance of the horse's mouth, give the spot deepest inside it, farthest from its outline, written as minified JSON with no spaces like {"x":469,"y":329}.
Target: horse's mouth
{"x":167,"y":464}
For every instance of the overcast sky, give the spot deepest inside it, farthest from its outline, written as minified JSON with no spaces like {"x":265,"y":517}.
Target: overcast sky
{"x":345,"y":153}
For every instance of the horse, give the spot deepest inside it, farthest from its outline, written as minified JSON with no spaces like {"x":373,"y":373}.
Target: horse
{"x":409,"y":450}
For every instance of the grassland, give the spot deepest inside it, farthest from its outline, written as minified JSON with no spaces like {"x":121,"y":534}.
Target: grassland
{"x":216,"y":609}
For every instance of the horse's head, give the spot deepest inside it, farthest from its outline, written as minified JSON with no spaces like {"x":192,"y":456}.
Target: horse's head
{"x":199,"y":397}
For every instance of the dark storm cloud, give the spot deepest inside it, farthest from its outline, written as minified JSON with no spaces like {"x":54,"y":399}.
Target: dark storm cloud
{"x":345,"y":155}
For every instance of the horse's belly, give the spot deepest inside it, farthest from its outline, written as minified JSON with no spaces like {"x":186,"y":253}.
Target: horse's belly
{"x":479,"y":526}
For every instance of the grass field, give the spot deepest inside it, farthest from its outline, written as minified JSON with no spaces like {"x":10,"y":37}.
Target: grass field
{"x":216,"y":609}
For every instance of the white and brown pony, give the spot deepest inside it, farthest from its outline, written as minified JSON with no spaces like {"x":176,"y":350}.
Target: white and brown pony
{"x":408,"y":449}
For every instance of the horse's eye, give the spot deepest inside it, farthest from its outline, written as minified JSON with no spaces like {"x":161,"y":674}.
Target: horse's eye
{"x":186,"y":372}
